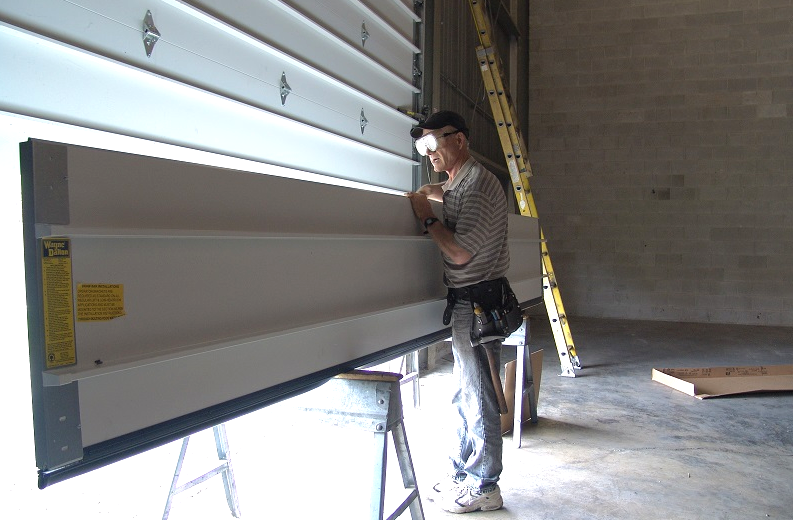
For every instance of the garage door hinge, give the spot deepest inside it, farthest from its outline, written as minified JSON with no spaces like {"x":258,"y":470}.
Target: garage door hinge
{"x":150,"y":33}
{"x":364,"y":121}
{"x":364,"y":34}
{"x":285,"y":88}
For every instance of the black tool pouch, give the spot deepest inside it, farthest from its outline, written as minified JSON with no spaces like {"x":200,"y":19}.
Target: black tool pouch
{"x":497,"y":313}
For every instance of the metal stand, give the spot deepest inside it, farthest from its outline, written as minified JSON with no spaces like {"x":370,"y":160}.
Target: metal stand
{"x":222,"y":445}
{"x":524,"y":380}
{"x":411,"y":362}
{"x":371,"y":401}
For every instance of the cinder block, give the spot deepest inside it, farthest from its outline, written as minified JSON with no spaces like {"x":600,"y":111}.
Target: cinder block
{"x":681,"y":108}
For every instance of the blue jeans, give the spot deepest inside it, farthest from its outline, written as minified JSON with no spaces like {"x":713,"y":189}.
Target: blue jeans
{"x":476,"y":454}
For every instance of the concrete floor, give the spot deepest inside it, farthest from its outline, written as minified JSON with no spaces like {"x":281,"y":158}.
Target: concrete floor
{"x":609,"y":444}
{"x":612,"y":444}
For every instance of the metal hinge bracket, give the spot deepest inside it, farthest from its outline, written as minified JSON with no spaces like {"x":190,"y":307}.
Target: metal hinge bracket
{"x":364,"y":121}
{"x":150,"y":33}
{"x":285,"y":88}
{"x":364,"y":34}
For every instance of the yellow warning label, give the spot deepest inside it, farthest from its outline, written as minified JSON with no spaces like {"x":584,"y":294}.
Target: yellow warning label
{"x":99,"y":301}
{"x":56,"y":284}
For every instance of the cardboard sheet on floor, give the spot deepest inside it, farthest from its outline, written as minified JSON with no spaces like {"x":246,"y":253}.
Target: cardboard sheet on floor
{"x":510,"y":370}
{"x":717,"y":381}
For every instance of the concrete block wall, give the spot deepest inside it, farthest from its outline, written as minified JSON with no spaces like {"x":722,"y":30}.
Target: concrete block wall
{"x":661,"y":139}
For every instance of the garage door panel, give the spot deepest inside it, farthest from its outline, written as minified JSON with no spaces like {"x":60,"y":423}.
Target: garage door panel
{"x":284,"y":284}
{"x":400,"y":15}
{"x":197,"y":50}
{"x":115,"y":29}
{"x":288,"y":29}
{"x":273,"y":280}
{"x":47,"y":76}
{"x":363,"y":29}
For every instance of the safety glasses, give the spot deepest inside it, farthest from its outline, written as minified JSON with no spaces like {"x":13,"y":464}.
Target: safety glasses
{"x":429,"y":143}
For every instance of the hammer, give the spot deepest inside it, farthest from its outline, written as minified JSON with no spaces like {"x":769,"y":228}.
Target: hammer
{"x":495,"y":378}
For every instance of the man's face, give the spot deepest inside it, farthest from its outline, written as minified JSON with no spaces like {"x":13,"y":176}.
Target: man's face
{"x":448,"y":148}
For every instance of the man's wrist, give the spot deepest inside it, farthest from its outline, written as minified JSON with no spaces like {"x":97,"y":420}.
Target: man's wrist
{"x":430,"y":221}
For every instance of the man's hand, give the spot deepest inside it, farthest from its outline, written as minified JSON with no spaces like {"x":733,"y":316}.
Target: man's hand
{"x":442,"y":236}
{"x":421,"y":205}
{"x":432,"y":191}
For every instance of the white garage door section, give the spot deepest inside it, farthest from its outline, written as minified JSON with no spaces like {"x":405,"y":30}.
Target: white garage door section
{"x":287,"y":83}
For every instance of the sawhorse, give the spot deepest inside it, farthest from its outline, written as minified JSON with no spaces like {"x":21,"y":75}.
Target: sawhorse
{"x":224,"y":469}
{"x":371,"y":401}
{"x":525,"y":388}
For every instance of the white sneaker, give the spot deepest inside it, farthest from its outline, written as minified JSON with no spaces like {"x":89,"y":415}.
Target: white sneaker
{"x":447,"y":486}
{"x":467,"y":500}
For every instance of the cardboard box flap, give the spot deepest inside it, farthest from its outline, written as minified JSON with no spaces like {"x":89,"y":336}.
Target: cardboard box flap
{"x":717,"y":381}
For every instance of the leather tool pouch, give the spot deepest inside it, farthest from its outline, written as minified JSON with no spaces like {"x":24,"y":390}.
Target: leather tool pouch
{"x":447,"y":312}
{"x":497,"y":312}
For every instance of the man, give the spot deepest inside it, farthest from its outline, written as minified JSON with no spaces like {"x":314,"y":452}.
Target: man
{"x":472,"y":237}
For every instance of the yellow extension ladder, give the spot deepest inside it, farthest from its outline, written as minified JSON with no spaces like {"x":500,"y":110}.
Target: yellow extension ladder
{"x":519,"y":172}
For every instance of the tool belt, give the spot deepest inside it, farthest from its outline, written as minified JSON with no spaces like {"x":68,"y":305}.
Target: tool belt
{"x":497,"y":313}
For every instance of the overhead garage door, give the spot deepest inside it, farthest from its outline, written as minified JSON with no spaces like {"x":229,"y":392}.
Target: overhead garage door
{"x":309,"y":90}
{"x":211,"y":269}
{"x":314,"y":86}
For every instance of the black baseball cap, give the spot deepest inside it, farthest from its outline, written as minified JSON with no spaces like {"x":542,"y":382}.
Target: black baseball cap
{"x":439,"y":120}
